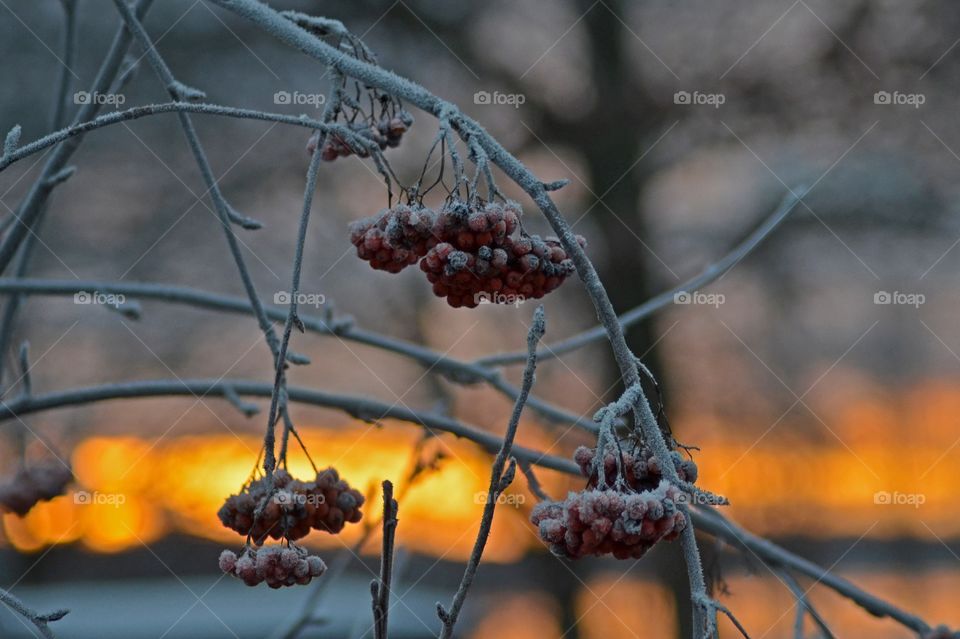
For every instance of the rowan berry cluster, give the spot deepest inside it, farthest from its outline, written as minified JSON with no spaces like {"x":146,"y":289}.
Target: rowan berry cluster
{"x":386,"y":132}
{"x":470,"y":254}
{"x":599,"y":522}
{"x":293,"y":507}
{"x":275,"y":565}
{"x":41,"y":481}
{"x":625,"y":515}
{"x":640,"y":468}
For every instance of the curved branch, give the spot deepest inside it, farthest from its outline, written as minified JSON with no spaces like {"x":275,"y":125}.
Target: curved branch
{"x":354,"y":405}
{"x":712,"y":522}
{"x":137,"y":112}
{"x":456,"y":370}
{"x":654,"y":304}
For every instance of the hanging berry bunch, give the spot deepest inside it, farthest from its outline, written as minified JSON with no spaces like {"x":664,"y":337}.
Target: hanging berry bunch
{"x":293,"y":507}
{"x":281,"y":507}
{"x":39,"y":481}
{"x":386,"y":131}
{"x":366,"y":110}
{"x":473,"y":251}
{"x":624,"y":513}
{"x":275,"y":565}
{"x":471,"y":255}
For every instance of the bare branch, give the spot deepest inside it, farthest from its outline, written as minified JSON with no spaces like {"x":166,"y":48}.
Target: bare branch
{"x":37,"y":619}
{"x":380,"y":588}
{"x":498,"y":483}
{"x":713,"y":272}
{"x":32,"y":206}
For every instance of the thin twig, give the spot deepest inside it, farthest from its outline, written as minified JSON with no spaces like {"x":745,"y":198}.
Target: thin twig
{"x":179,"y":91}
{"x":498,"y":480}
{"x":711,"y":273}
{"x":458,"y":371}
{"x":803,"y":607}
{"x":32,"y":205}
{"x":380,"y":588}
{"x":277,"y":401}
{"x":134,"y":113}
{"x":37,"y":619}
{"x":58,"y":114}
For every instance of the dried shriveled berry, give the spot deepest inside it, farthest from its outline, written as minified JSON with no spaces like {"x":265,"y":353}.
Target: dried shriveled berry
{"x":41,"y":481}
{"x":386,"y":132}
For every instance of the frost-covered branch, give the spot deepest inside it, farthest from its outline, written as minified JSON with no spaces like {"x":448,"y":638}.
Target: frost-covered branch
{"x":228,"y":217}
{"x":39,"y":620}
{"x":500,"y":479}
{"x":471,"y":132}
{"x":32,"y":205}
{"x":380,"y":587}
{"x":455,"y":370}
{"x":804,"y":607}
{"x":662,"y":300}
{"x":714,"y":523}
{"x":137,"y":112}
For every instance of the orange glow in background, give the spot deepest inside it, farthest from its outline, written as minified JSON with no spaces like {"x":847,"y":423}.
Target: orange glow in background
{"x":783,"y":483}
{"x":132,"y":492}
{"x":779,"y":484}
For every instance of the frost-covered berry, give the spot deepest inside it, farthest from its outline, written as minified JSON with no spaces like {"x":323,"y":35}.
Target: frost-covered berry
{"x":641,"y":470}
{"x":294,"y":508}
{"x":394,"y":238}
{"x":274,"y":565}
{"x":624,"y":510}
{"x":469,"y":253}
{"x":600,"y":522}
{"x":228,"y":561}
